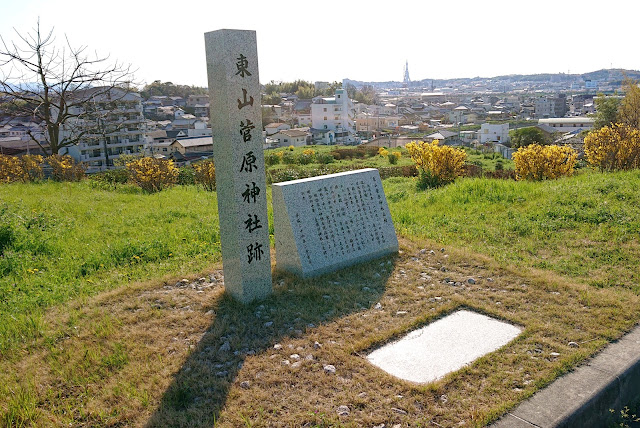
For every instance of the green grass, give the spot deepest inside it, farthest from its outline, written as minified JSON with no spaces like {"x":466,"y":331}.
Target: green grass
{"x":559,"y":258}
{"x":61,"y":241}
{"x":375,"y":161}
{"x":487,"y":161}
{"x":585,"y":227}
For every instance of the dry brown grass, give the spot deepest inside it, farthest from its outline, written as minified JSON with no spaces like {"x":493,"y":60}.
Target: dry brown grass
{"x":154,"y":355}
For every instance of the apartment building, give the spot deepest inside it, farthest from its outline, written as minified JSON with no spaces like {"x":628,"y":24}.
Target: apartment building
{"x":551,"y":107}
{"x":335,"y":114}
{"x":109,"y":124}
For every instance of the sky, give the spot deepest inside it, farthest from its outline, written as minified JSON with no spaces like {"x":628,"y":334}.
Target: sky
{"x":331,"y":40}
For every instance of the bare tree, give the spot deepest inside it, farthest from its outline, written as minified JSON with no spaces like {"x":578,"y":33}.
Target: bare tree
{"x":53,"y":84}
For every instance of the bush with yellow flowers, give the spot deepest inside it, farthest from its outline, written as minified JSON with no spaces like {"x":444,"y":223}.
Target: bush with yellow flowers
{"x":206,"y":175}
{"x":25,"y":168}
{"x":615,"y":147}
{"x":65,"y":168}
{"x":393,"y":157}
{"x":10,"y":169}
{"x":306,"y":157}
{"x":437,"y":165}
{"x":382,"y":152}
{"x":151,"y":174}
{"x":32,"y":167}
{"x":536,"y":162}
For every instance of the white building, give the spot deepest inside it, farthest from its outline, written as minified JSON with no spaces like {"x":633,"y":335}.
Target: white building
{"x":275,"y":127}
{"x":335,"y":114}
{"x":291,"y":137}
{"x":109,"y":124}
{"x":568,"y":124}
{"x":494,"y":133}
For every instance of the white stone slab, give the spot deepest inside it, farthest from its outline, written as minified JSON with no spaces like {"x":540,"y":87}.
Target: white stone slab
{"x":444,"y":346}
{"x":332,"y":221}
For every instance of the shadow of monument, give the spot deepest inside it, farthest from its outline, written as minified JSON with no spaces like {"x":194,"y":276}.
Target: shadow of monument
{"x":200,"y":388}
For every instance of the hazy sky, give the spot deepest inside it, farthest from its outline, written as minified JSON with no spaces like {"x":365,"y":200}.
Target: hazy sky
{"x":362,"y":40}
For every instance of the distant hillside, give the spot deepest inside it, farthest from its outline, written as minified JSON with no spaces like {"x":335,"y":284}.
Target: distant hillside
{"x":613,"y":76}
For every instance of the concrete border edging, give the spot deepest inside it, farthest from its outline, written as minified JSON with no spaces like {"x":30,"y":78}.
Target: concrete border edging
{"x":584,"y":397}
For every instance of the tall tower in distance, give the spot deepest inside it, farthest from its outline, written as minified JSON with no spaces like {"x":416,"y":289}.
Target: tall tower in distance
{"x":406,"y":80}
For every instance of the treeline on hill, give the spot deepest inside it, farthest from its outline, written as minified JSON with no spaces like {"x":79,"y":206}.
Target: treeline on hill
{"x":168,"y":89}
{"x":271,"y":91}
{"x":306,"y":90}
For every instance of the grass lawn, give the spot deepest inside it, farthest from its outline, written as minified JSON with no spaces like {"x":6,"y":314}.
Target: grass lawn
{"x":61,"y":241}
{"x":98,"y":328}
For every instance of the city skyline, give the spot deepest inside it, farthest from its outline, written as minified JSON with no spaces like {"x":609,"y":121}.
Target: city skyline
{"x":333,"y":40}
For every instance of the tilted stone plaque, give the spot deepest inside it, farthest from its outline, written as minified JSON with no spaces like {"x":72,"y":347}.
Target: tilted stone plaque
{"x":236,"y":122}
{"x":325,"y":223}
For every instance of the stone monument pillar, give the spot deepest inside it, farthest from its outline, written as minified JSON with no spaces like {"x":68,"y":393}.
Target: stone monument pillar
{"x":236,"y":122}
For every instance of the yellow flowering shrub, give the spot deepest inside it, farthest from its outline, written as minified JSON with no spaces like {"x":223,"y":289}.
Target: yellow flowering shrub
{"x":152,"y":174}
{"x":307,"y":156}
{"x":65,"y":168}
{"x":393,"y":157}
{"x":613,"y":147}
{"x":10,"y":169}
{"x":32,"y":167}
{"x":536,"y":162}
{"x":383,"y":152}
{"x":25,"y":168}
{"x":206,"y":175}
{"x":437,"y":165}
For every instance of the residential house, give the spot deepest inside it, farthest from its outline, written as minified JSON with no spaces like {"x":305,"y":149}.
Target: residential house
{"x":165,"y":112}
{"x":193,"y":126}
{"x":366,"y":122}
{"x":301,"y":112}
{"x":178,"y":101}
{"x":275,"y":109}
{"x":444,"y":137}
{"x":161,"y":99}
{"x":459,"y":115}
{"x":274,"y":128}
{"x":195,"y":100}
{"x":497,"y":133}
{"x":200,"y":145}
{"x":323,"y":136}
{"x":201,"y":110}
{"x":468,"y":136}
{"x":291,"y":137}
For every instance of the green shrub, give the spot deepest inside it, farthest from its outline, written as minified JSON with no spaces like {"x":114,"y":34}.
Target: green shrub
{"x":112,"y":176}
{"x":65,"y":168}
{"x":271,"y":158}
{"x":398,"y":171}
{"x":503,"y":174}
{"x":288,"y":158}
{"x":325,"y":158}
{"x":6,"y":237}
{"x":305,"y":158}
{"x":472,"y":170}
{"x":151,"y":174}
{"x":186,"y":175}
{"x":205,"y":175}
{"x":284,"y":174}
